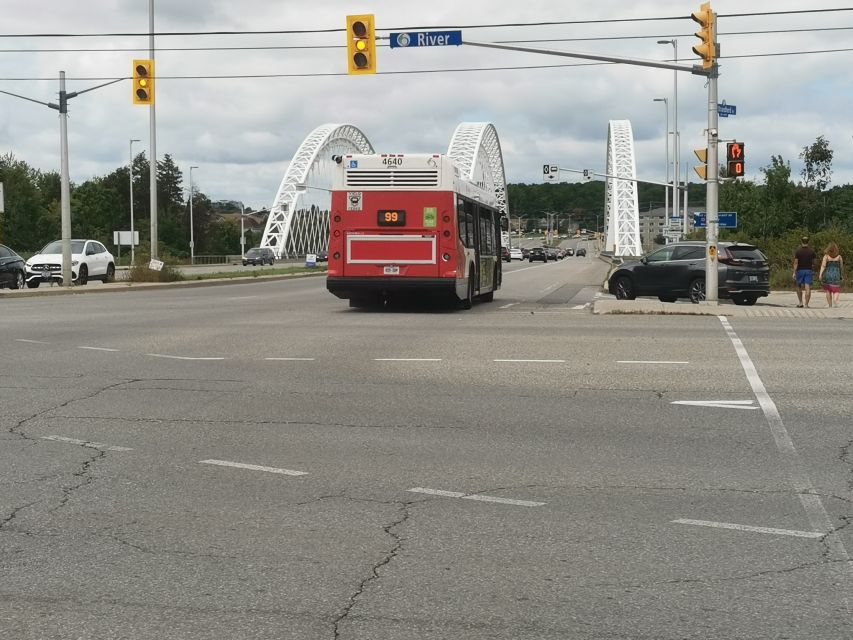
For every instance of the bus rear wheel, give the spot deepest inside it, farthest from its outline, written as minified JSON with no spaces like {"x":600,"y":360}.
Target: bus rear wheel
{"x":468,"y":301}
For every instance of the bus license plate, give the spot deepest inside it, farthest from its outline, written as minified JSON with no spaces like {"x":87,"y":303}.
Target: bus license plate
{"x":392,"y":271}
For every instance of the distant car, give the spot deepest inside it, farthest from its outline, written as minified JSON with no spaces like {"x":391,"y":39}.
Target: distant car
{"x":678,"y":271}
{"x":12,"y":269}
{"x":516,"y":254}
{"x":551,"y":253}
{"x":505,"y":255}
{"x":570,"y":251}
{"x":525,"y":252}
{"x":538,"y":253}
{"x":90,"y":260}
{"x":580,"y":252}
{"x":259,"y":256}
{"x":322,"y":256}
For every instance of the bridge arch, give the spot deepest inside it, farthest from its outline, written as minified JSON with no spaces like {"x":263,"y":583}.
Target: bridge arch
{"x":476,"y":148}
{"x":620,"y":199}
{"x":298,"y":222}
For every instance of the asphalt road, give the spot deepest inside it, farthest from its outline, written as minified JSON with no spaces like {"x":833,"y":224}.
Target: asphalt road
{"x":260,"y":461}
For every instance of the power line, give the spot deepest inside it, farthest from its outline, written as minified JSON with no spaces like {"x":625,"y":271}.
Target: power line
{"x":417,"y":71}
{"x":338,"y":46}
{"x":548,"y":23}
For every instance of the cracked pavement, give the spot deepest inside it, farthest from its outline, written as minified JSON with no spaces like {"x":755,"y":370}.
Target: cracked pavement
{"x":148,"y":543}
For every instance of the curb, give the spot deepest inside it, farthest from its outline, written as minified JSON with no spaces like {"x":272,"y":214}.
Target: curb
{"x":653,"y":307}
{"x":123,"y":287}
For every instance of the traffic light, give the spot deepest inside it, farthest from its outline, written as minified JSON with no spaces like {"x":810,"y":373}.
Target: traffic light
{"x":361,"y":44}
{"x":734,"y":159}
{"x":702,"y":170}
{"x":143,"y":82}
{"x":707,"y":49}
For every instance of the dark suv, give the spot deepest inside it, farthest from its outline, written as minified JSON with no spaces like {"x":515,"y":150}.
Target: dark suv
{"x":678,"y":271}
{"x":259,"y":255}
{"x":538,"y":253}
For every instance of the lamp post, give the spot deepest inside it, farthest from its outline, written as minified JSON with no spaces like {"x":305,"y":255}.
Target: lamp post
{"x":132,"y":243}
{"x":676,"y":145}
{"x":192,"y":243}
{"x":666,"y":148}
{"x":242,"y":232}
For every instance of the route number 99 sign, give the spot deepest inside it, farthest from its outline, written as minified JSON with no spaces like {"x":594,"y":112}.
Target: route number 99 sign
{"x":735,"y":159}
{"x":391,"y":218}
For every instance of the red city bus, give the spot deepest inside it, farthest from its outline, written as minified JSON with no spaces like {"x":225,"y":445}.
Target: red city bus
{"x":409,"y":224}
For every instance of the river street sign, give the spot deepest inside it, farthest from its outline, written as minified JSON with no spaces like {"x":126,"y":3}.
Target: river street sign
{"x":426,"y":39}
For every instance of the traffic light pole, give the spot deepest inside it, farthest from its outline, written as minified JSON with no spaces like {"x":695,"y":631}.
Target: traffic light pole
{"x":712,"y":192}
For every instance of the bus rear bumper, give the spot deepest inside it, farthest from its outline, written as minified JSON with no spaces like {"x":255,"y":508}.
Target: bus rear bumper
{"x":349,"y":288}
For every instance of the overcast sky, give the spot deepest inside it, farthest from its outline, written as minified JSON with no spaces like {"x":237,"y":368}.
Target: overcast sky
{"x":242,"y":132}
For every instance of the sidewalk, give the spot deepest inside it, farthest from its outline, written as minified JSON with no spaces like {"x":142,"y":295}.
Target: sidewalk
{"x":779,"y":304}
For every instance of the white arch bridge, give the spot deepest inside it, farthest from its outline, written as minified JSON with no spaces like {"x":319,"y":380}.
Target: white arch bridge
{"x":298,"y":222}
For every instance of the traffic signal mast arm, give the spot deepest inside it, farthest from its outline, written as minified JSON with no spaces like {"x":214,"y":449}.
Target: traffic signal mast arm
{"x":607,"y":175}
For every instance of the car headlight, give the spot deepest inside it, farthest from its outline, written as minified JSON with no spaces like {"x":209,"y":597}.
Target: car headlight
{"x":74,"y":263}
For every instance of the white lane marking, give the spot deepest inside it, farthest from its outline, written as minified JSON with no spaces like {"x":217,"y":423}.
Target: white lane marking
{"x":813,"y":505}
{"x":97,"y":349}
{"x":292,"y":359}
{"x":474,"y":496}
{"x":507,"y":306}
{"x":746,"y":527}
{"x":507,"y":360}
{"x":31,"y":341}
{"x":539,"y":266}
{"x":407,"y":359}
{"x":653,"y":362}
{"x":254,"y":467}
{"x":718,"y":404}
{"x":86,"y":443}
{"x":161,"y":355}
{"x":550,"y":287}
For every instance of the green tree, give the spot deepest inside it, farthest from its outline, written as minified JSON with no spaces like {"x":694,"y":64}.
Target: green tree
{"x":817,"y":161}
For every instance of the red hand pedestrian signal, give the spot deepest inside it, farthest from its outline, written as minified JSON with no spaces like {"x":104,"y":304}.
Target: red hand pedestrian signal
{"x":735,"y":159}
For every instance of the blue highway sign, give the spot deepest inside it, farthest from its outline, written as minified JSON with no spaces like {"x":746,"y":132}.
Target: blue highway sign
{"x":728,"y":220}
{"x":426,"y":39}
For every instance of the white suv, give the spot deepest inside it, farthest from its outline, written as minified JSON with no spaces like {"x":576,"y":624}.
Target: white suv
{"x":89,"y":259}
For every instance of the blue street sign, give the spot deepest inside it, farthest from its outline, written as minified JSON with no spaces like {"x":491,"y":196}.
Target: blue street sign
{"x":728,"y":220}
{"x":725,"y":110}
{"x":426,"y":39}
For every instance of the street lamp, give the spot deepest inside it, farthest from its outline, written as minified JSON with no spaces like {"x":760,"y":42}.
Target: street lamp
{"x":666,"y":148}
{"x":192,"y":243}
{"x":132,"y":243}
{"x":676,"y":141}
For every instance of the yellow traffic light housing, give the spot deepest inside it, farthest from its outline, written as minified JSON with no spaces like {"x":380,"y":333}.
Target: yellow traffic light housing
{"x":735,"y":166}
{"x":707,"y":49}
{"x":702,"y":170}
{"x":143,"y":82}
{"x":361,"y":44}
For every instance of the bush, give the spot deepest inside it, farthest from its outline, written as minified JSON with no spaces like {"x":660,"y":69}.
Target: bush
{"x":139,"y":271}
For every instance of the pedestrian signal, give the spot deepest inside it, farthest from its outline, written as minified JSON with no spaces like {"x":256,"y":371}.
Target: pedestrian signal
{"x":735,"y":166}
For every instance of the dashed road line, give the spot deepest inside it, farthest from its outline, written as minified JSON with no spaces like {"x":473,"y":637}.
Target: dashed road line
{"x":746,"y":527}
{"x":86,"y":443}
{"x":718,"y":404}
{"x":474,"y":496}
{"x":521,"y":360}
{"x":97,"y":349}
{"x":162,"y":355}
{"x":407,"y":359}
{"x":31,"y":341}
{"x":254,"y":467}
{"x":507,"y":306}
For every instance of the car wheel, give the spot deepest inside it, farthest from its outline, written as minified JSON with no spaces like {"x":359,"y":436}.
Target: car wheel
{"x":667,"y":298}
{"x":19,"y":280}
{"x":623,"y":288}
{"x":111,"y":273}
{"x":696,"y":290}
{"x":83,"y":276}
{"x":744,"y":300}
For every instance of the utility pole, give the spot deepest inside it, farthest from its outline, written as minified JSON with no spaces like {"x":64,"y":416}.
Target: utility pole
{"x":132,"y":234}
{"x":153,"y":140}
{"x":65,"y":182}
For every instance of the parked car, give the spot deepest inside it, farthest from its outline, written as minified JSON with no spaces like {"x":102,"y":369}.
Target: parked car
{"x":89,"y":260}
{"x":259,"y":256}
{"x":505,"y":256}
{"x":516,"y":254}
{"x":12,"y":269}
{"x":538,"y":253}
{"x":678,"y":271}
